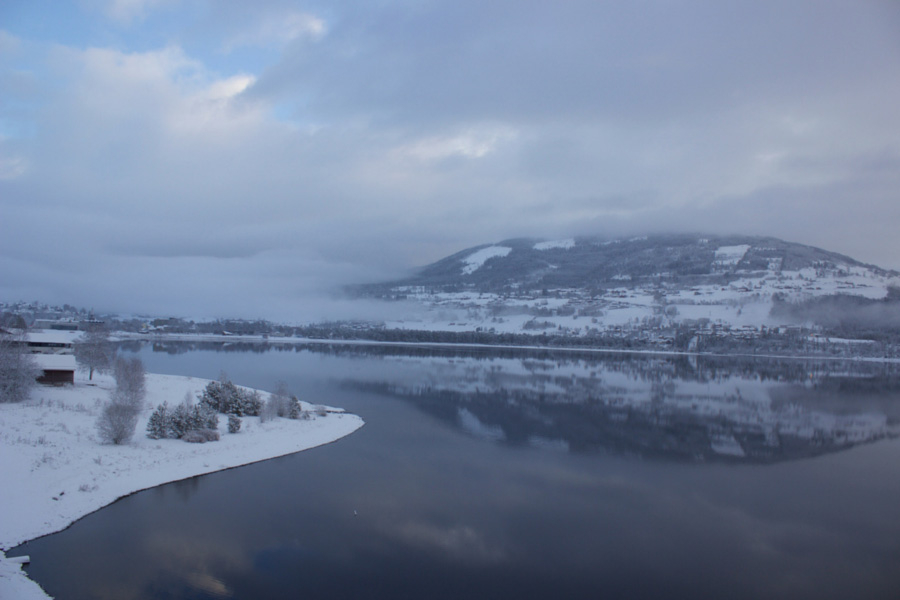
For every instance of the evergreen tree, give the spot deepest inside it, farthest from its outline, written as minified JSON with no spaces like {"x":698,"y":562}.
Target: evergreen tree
{"x":234,"y":424}
{"x":180,"y":421}
{"x":294,"y":411}
{"x":158,"y":426}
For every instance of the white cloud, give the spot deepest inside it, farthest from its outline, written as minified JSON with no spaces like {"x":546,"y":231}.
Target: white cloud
{"x":162,"y":94}
{"x":475,"y":142}
{"x":279,"y":30}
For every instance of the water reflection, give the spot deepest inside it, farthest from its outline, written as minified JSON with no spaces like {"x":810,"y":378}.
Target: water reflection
{"x":649,"y":406}
{"x":515,"y":475}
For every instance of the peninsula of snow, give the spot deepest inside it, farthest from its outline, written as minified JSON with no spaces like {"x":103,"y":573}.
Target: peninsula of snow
{"x":54,"y":471}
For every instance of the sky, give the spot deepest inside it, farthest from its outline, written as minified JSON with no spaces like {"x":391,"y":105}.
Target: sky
{"x":223,"y":158}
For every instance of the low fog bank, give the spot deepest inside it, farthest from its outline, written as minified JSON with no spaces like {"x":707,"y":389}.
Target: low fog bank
{"x":846,"y":315}
{"x":324,"y":309}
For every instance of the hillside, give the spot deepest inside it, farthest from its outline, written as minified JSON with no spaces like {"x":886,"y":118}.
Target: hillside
{"x":642,"y":287}
{"x":679,"y":260}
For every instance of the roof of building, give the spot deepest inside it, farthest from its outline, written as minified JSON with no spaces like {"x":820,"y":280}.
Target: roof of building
{"x":55,"y":362}
{"x":52,"y":336}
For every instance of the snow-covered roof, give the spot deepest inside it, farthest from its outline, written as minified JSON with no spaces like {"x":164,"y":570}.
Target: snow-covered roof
{"x":55,"y":362}
{"x":52,"y":336}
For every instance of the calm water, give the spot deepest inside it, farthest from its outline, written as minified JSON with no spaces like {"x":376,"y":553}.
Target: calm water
{"x":514,"y":475}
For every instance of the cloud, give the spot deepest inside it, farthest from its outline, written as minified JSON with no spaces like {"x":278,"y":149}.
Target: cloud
{"x":342,"y":142}
{"x":279,"y":29}
{"x":474,"y":142}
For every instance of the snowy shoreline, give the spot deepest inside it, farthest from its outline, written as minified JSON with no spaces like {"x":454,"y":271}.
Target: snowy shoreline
{"x":55,"y":471}
{"x":293,"y":341}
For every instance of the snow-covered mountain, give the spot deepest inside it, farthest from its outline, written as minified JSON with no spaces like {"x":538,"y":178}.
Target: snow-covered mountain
{"x":586,"y":285}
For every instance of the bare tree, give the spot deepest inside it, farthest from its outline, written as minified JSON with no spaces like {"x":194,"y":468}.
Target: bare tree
{"x":18,"y":370}
{"x":131,"y":380}
{"x":93,"y":351}
{"x":119,"y":418}
{"x":117,"y":421}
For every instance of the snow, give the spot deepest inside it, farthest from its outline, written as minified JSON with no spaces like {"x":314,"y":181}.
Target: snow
{"x":52,"y":336}
{"x":562,"y":244}
{"x":731,"y":255}
{"x":475,"y":260}
{"x":55,"y":362}
{"x":727,"y":445}
{"x":61,"y":472}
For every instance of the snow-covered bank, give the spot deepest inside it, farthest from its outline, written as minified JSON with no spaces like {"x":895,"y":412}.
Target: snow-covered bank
{"x":661,"y":351}
{"x":53,"y":470}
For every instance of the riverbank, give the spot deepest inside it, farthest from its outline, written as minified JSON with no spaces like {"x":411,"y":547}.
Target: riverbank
{"x":161,"y":338}
{"x":54,"y":471}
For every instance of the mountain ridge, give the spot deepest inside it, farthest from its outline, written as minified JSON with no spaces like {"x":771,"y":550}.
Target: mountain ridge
{"x":655,"y":288}
{"x":592,"y":261}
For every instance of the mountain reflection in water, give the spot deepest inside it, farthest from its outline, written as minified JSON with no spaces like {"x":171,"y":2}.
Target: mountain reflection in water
{"x":654,"y":408}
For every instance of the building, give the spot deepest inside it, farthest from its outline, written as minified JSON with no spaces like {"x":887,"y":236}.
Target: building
{"x":56,"y":369}
{"x":54,"y":353}
{"x":57,"y":324}
{"x":51,"y":342}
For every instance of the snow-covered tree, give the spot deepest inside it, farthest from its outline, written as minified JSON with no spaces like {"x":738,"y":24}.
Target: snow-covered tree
{"x":294,"y":410}
{"x":158,"y":425}
{"x":131,"y":379}
{"x":234,"y":424}
{"x":18,"y":369}
{"x":281,"y":403}
{"x":225,"y":397}
{"x":183,"y":419}
{"x":93,"y":351}
{"x":117,"y":421}
{"x":180,"y":419}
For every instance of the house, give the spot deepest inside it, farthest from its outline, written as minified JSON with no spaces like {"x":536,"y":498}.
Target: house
{"x":56,"y":369}
{"x":51,"y":342}
{"x":58,"y":324}
{"x":54,"y":353}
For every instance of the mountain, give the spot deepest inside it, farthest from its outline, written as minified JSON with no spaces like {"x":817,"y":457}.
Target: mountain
{"x":651,"y":288}
{"x":586,"y":262}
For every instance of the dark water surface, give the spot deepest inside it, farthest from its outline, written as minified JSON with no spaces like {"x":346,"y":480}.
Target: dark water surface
{"x":517,"y":475}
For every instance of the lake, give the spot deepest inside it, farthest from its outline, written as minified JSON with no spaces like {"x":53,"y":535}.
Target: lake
{"x":515,"y":474}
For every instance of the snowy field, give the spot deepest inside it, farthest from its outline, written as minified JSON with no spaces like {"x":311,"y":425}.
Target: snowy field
{"x":54,"y":471}
{"x":745,"y":301}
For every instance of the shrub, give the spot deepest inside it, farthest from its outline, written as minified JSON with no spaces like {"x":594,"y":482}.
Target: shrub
{"x":201,"y":436}
{"x":281,"y":403}
{"x":116,"y":423}
{"x":234,"y":424}
{"x":269,"y":410}
{"x":251,"y":402}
